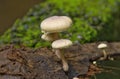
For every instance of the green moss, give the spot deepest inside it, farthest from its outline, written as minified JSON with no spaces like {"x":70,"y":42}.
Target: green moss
{"x":88,"y":19}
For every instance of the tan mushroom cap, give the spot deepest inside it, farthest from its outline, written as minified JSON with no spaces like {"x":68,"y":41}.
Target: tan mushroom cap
{"x":61,"y":43}
{"x":56,"y":24}
{"x":50,"y":36}
{"x":75,"y":78}
{"x":46,"y":37}
{"x":102,"y":45}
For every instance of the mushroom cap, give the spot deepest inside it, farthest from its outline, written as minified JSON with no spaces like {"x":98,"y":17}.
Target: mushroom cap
{"x":46,"y":37}
{"x":102,"y":45}
{"x":50,"y":36}
{"x":61,"y":43}
{"x":56,"y":24}
{"x":75,"y":78}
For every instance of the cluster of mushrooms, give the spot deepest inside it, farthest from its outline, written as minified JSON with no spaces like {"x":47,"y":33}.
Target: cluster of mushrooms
{"x":51,"y":28}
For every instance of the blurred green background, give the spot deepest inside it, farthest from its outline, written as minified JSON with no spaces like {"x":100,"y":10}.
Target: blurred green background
{"x":93,"y":20}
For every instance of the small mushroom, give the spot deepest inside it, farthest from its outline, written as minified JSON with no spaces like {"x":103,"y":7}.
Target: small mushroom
{"x":103,"y":46}
{"x":50,"y":36}
{"x":75,"y":78}
{"x":94,"y":62}
{"x":58,"y":47}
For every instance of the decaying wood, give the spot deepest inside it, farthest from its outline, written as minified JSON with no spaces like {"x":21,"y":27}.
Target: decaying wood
{"x":42,"y":63}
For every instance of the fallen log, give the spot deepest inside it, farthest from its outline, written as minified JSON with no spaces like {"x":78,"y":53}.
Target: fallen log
{"x":42,"y":63}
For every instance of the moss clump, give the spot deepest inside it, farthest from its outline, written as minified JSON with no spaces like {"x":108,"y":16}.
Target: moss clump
{"x":88,"y":19}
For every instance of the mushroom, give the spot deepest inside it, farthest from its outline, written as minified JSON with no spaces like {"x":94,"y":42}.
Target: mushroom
{"x":103,"y":46}
{"x":50,"y":36}
{"x":56,"y":24}
{"x":58,"y":47}
{"x":75,"y":78}
{"x":52,"y":25}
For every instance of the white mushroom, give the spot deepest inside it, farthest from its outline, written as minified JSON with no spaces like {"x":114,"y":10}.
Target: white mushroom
{"x":50,"y":27}
{"x":75,"y":78}
{"x":53,"y":25}
{"x":56,"y":24}
{"x":58,"y":46}
{"x":50,"y":36}
{"x":103,"y":46}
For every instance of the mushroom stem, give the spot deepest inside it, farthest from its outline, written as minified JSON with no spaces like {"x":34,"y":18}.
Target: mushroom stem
{"x":57,"y":52}
{"x":65,"y":64}
{"x":104,"y":55}
{"x":55,"y":35}
{"x":64,"y":61}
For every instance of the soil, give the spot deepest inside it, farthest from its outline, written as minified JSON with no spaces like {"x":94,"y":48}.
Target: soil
{"x":42,"y":63}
